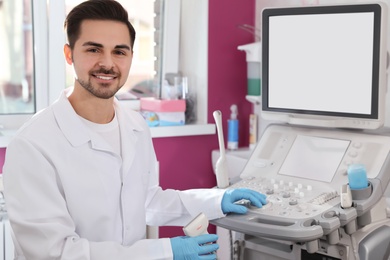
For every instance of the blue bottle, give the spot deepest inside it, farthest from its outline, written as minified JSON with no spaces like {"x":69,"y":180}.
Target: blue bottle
{"x":233,"y":129}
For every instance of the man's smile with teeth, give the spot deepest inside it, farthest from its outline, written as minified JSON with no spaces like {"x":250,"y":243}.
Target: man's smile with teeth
{"x":104,"y":77}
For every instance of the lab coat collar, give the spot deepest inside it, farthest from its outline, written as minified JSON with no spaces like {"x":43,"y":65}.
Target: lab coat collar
{"x":74,"y":129}
{"x":69,"y":123}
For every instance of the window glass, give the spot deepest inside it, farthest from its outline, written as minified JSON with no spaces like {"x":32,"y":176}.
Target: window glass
{"x":142,"y":73}
{"x":16,"y":55}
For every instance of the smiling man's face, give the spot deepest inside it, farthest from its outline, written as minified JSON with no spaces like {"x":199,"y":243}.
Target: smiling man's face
{"x":101,"y":57}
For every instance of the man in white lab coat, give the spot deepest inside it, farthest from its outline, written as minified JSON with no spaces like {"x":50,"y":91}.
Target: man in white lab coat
{"x":80,"y":177}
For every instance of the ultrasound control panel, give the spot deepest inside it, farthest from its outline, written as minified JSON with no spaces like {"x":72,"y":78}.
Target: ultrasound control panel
{"x":290,"y":200}
{"x":301,"y":171}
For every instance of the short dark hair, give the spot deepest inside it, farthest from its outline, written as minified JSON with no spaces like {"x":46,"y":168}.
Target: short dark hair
{"x":96,"y":10}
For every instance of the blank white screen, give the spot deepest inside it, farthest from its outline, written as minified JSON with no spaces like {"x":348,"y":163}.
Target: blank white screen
{"x":314,"y":158}
{"x":321,"y":62}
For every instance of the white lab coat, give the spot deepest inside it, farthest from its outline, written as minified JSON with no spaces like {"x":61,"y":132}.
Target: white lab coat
{"x":70,"y":196}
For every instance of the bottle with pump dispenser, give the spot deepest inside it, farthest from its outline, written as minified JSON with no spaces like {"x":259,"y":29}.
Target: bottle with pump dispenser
{"x":233,"y":129}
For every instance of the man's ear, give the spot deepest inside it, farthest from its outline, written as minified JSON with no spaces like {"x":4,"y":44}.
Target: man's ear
{"x":68,"y":54}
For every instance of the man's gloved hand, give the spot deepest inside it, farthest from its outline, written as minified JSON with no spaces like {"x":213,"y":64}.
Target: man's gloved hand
{"x":191,"y":248}
{"x":233,"y":195}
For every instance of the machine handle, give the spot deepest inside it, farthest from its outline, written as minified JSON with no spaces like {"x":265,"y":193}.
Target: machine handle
{"x":252,"y":224}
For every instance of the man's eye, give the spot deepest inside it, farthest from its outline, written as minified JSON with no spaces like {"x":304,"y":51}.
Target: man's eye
{"x":93,"y":50}
{"x":120,"y":53}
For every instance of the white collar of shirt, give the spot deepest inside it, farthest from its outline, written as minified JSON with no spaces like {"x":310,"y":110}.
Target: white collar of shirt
{"x":109,"y":132}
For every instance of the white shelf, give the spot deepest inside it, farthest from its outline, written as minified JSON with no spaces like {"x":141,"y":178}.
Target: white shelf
{"x":5,"y":137}
{"x":185,"y":130}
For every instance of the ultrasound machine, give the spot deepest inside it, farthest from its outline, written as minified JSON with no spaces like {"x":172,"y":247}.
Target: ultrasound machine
{"x":324,"y":81}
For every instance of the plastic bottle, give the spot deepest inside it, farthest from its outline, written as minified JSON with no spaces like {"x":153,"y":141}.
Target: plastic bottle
{"x":233,"y":129}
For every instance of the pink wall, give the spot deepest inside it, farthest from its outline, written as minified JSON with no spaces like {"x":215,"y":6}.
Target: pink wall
{"x":2,"y":155}
{"x":185,"y":162}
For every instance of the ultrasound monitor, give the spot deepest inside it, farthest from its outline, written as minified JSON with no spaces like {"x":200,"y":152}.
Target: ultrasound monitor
{"x":325,"y":66}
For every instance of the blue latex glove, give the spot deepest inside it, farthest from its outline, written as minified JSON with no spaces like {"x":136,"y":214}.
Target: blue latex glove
{"x":194,"y":248}
{"x":231,"y":196}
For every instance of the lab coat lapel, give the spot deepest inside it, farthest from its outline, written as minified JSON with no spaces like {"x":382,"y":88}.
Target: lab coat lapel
{"x":73,"y":128}
{"x":68,"y":121}
{"x":129,"y":130}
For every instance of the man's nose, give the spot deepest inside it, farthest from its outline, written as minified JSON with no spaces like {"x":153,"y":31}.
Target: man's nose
{"x":106,"y":61}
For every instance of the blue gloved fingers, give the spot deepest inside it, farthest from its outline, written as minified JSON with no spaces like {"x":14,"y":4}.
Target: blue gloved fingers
{"x":262,"y":197}
{"x":257,"y":199}
{"x":208,"y":249}
{"x":206,"y":238}
{"x":239,"y":209}
{"x":227,"y":203}
{"x":231,"y":196}
{"x":207,"y":244}
{"x":185,"y":247}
